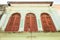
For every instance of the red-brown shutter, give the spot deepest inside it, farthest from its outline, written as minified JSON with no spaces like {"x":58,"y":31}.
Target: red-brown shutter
{"x":13,"y":23}
{"x":30,"y":23}
{"x":47,"y":23}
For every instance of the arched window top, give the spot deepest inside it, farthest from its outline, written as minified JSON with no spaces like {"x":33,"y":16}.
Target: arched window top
{"x":16,"y":14}
{"x":45,"y":14}
{"x":30,"y":14}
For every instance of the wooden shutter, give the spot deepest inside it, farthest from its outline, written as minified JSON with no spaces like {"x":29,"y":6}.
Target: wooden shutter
{"x":47,"y":23}
{"x":13,"y":23}
{"x":30,"y":23}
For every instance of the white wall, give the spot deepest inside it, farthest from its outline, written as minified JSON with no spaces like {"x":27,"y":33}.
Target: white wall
{"x":37,"y":10}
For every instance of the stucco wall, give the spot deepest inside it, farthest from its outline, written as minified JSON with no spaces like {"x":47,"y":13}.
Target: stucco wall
{"x":57,"y":8}
{"x":37,"y":10}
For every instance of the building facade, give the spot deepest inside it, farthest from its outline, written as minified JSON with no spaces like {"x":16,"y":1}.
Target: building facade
{"x":29,"y":17}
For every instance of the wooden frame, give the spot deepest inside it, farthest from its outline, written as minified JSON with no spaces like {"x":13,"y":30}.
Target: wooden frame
{"x":13,"y":23}
{"x":48,"y":2}
{"x":47,"y":23}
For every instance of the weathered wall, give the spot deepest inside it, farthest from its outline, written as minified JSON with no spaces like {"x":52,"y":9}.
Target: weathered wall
{"x":57,"y":10}
{"x":37,"y":10}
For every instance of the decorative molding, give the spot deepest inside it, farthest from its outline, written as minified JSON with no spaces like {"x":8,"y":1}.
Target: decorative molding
{"x":48,"y":2}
